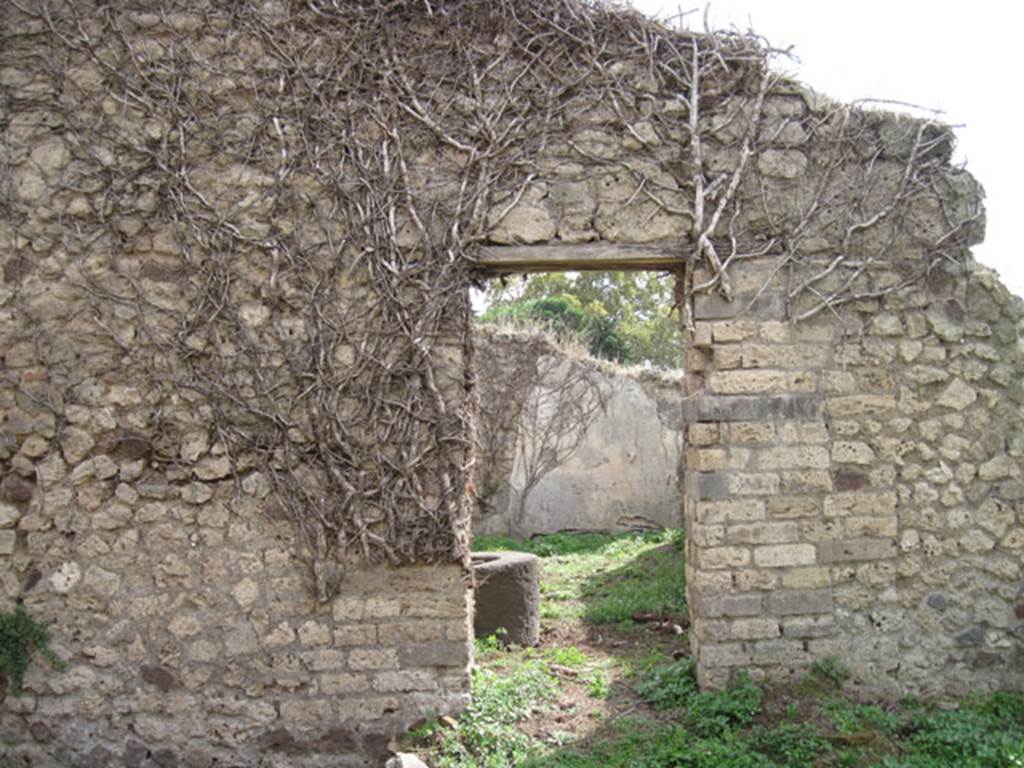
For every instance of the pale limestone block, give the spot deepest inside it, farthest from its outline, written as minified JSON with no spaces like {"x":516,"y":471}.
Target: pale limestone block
{"x":246,"y":592}
{"x":739,"y":510}
{"x":66,"y":577}
{"x":313,"y":633}
{"x":349,"y":609}
{"x":329,"y":659}
{"x":755,"y":629}
{"x":806,"y":578}
{"x":784,"y":555}
{"x":355,"y":634}
{"x":373,"y":658}
{"x":724,"y":557}
{"x":794,"y":457}
{"x":852,"y":452}
{"x":763,"y":533}
{"x":754,"y":484}
{"x":185,"y":625}
{"x":958,"y":395}
{"x":9,"y":515}
{"x":335,"y":683}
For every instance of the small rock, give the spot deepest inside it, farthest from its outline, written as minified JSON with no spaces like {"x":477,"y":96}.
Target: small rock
{"x":76,"y":444}
{"x":641,"y":134}
{"x":213,"y":468}
{"x":112,"y":517}
{"x":9,"y":516}
{"x":958,"y":395}
{"x":886,"y":324}
{"x":66,"y":578}
{"x":946,"y":321}
{"x":104,"y":467}
{"x":938,"y":602}
{"x":185,"y":626}
{"x":194,"y":445}
{"x":282,"y":634}
{"x":132,"y":446}
{"x":782,"y":163}
{"x":40,"y":731}
{"x":246,"y":592}
{"x":972,"y":636}
{"x":16,"y":489}
{"x":256,"y":484}
{"x":126,"y":494}
{"x":35,"y":446}
{"x":524,"y":224}
{"x":50,"y":156}
{"x":405,"y":760}
{"x":196,"y":493}
{"x":997,"y":468}
{"x":157,"y":675}
{"x":132,"y":470}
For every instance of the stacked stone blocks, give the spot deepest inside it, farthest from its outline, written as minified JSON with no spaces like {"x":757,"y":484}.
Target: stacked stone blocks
{"x":835,"y":469}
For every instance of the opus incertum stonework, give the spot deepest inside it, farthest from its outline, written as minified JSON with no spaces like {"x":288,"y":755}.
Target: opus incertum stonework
{"x":237,"y":397}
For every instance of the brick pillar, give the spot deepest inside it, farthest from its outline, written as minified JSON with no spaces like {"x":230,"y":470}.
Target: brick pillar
{"x":757,"y":473}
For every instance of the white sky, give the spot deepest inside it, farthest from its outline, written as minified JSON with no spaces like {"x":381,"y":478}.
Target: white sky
{"x":962,"y":58}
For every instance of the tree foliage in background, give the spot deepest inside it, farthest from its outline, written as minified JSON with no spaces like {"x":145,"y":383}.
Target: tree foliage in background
{"x":626,"y":317}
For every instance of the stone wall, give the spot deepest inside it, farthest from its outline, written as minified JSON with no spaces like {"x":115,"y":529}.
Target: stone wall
{"x":855,"y":490}
{"x":854,"y":410}
{"x":148,"y":511}
{"x":624,"y":472}
{"x":236,"y":368}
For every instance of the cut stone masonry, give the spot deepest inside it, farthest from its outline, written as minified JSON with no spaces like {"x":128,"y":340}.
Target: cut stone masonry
{"x":850,"y":484}
{"x":854,"y":477}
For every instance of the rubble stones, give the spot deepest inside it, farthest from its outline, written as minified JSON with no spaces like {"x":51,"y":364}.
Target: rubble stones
{"x":887,"y":429}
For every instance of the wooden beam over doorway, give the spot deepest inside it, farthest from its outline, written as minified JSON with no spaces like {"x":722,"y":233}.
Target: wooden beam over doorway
{"x":582,"y":257}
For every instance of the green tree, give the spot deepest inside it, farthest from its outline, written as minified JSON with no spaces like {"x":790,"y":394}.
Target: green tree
{"x":628,"y":317}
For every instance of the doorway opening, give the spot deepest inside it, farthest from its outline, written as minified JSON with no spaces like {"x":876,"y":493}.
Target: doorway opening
{"x":579,"y":381}
{"x":580,"y":439}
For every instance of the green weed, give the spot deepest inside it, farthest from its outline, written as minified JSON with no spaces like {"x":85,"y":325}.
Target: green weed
{"x":986,"y":733}
{"x":566,"y":656}
{"x":605,"y":579}
{"x":486,"y":735}
{"x":852,"y":718}
{"x":668,"y":686}
{"x":599,"y":686}
{"x":490,"y":645}
{"x":21,"y":637}
{"x":792,"y":745}
{"x":715,"y":713}
{"x":831,"y":670}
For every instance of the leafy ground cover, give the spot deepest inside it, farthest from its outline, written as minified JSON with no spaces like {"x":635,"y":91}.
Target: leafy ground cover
{"x":611,"y":686}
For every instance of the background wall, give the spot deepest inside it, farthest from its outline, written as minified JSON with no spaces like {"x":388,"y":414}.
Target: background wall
{"x":621,"y":462}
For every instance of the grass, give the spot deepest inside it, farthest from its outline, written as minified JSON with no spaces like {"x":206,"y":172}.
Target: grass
{"x":605,"y":579}
{"x":607,"y":691}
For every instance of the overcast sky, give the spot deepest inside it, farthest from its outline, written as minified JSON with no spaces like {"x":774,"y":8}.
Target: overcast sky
{"x":955,"y":57}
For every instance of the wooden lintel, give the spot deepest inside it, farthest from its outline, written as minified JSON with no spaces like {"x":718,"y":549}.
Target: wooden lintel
{"x":581,"y":257}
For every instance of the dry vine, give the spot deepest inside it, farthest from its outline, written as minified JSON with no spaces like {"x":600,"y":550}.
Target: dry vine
{"x":300,"y":188}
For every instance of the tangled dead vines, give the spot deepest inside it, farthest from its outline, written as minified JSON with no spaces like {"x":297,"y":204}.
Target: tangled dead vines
{"x":273,"y":208}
